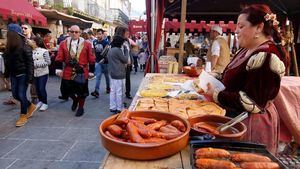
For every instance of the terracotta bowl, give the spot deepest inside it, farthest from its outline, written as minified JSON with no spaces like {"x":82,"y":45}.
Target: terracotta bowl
{"x":239,"y":128}
{"x":191,"y":71}
{"x":145,"y":151}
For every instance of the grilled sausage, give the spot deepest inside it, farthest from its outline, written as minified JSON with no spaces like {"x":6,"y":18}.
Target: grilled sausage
{"x":144,"y":132}
{"x":155,"y":140}
{"x":206,"y":163}
{"x":169,"y":136}
{"x":259,"y":165}
{"x":179,"y":125}
{"x":206,"y":127}
{"x":169,"y":126}
{"x":125,"y":135}
{"x":114,"y":130}
{"x":123,"y":117}
{"x":157,"y":125}
{"x":134,"y":134}
{"x":169,"y":129}
{"x":113,"y":137}
{"x":249,"y":157}
{"x":144,"y":119}
{"x":212,"y":153}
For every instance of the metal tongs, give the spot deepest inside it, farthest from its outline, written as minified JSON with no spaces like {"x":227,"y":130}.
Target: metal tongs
{"x":232,"y":122}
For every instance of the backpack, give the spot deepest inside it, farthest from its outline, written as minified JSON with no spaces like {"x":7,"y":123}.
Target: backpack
{"x":104,"y":54}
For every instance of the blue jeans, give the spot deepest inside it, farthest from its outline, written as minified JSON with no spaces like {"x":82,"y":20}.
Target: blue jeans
{"x":135,"y":63}
{"x":40,"y":85}
{"x":99,"y":69}
{"x":19,"y":87}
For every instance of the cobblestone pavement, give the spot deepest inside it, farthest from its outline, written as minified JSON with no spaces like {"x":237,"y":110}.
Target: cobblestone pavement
{"x":56,"y":139}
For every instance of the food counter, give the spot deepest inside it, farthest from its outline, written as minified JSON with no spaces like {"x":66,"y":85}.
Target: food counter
{"x":180,"y":160}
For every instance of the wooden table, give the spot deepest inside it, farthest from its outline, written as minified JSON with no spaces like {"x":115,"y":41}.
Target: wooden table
{"x":181,"y":160}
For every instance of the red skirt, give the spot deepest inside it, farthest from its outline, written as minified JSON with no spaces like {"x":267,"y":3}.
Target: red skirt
{"x":264,"y":128}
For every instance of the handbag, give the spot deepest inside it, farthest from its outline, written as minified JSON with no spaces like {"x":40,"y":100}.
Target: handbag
{"x":79,"y":78}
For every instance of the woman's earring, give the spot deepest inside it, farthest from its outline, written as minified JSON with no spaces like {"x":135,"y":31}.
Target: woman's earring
{"x":256,"y":36}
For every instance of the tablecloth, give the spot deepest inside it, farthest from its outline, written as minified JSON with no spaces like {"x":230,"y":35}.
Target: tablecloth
{"x":287,"y":104}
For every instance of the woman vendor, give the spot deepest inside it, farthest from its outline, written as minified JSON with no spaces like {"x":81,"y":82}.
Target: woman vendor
{"x":252,"y":79}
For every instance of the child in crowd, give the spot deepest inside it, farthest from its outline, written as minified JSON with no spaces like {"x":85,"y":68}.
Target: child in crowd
{"x":41,"y":61}
{"x":116,"y":65}
{"x":143,"y":56}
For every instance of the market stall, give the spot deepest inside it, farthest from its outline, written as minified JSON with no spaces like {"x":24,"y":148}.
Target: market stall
{"x":160,"y":92}
{"x":157,"y":92}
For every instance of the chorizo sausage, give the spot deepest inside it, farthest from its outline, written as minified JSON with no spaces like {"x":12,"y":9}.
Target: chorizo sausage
{"x":113,"y":137}
{"x":114,"y":130}
{"x":169,"y":129}
{"x":157,"y":125}
{"x":144,"y":132}
{"x":169,"y":136}
{"x":155,"y":140}
{"x":249,"y":157}
{"x":123,"y":117}
{"x":125,"y":135}
{"x":206,"y":163}
{"x":259,"y":165}
{"x":202,"y":126}
{"x":179,"y":125}
{"x":134,"y":134}
{"x":144,"y":119}
{"x":211,"y":153}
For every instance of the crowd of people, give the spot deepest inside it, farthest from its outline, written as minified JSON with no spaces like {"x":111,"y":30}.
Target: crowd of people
{"x":77,"y":57}
{"x":251,"y":78}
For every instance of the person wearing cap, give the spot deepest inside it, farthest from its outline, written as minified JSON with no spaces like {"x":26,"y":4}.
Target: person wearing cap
{"x":218,"y":54}
{"x":19,"y":68}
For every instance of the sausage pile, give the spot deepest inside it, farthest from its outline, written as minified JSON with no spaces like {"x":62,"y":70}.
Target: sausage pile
{"x":143,"y":130}
{"x":215,"y":158}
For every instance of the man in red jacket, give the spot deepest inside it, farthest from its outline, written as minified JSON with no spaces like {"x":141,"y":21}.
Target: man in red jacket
{"x":79,"y":61}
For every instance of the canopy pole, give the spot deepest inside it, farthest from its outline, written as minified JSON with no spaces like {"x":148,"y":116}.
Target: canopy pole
{"x":290,"y":47}
{"x":153,"y":19}
{"x":294,"y":56}
{"x":182,"y":32}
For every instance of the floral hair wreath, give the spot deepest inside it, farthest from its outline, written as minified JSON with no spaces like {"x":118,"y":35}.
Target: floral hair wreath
{"x":271,"y":17}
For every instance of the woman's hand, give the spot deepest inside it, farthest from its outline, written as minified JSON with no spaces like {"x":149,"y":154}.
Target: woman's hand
{"x":210,"y":91}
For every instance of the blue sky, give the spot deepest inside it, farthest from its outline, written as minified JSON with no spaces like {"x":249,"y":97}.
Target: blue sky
{"x":137,"y":7}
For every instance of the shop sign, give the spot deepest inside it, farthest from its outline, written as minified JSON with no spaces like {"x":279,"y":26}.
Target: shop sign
{"x":28,"y":15}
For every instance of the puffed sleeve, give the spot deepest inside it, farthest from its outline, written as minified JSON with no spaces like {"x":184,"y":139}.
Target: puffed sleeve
{"x":264,"y":72}
{"x":60,"y":55}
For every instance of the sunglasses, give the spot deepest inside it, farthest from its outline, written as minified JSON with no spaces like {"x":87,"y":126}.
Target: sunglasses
{"x":24,"y":28}
{"x":74,"y":31}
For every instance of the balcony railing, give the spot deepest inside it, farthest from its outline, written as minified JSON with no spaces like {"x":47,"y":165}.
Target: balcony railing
{"x":119,"y":16}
